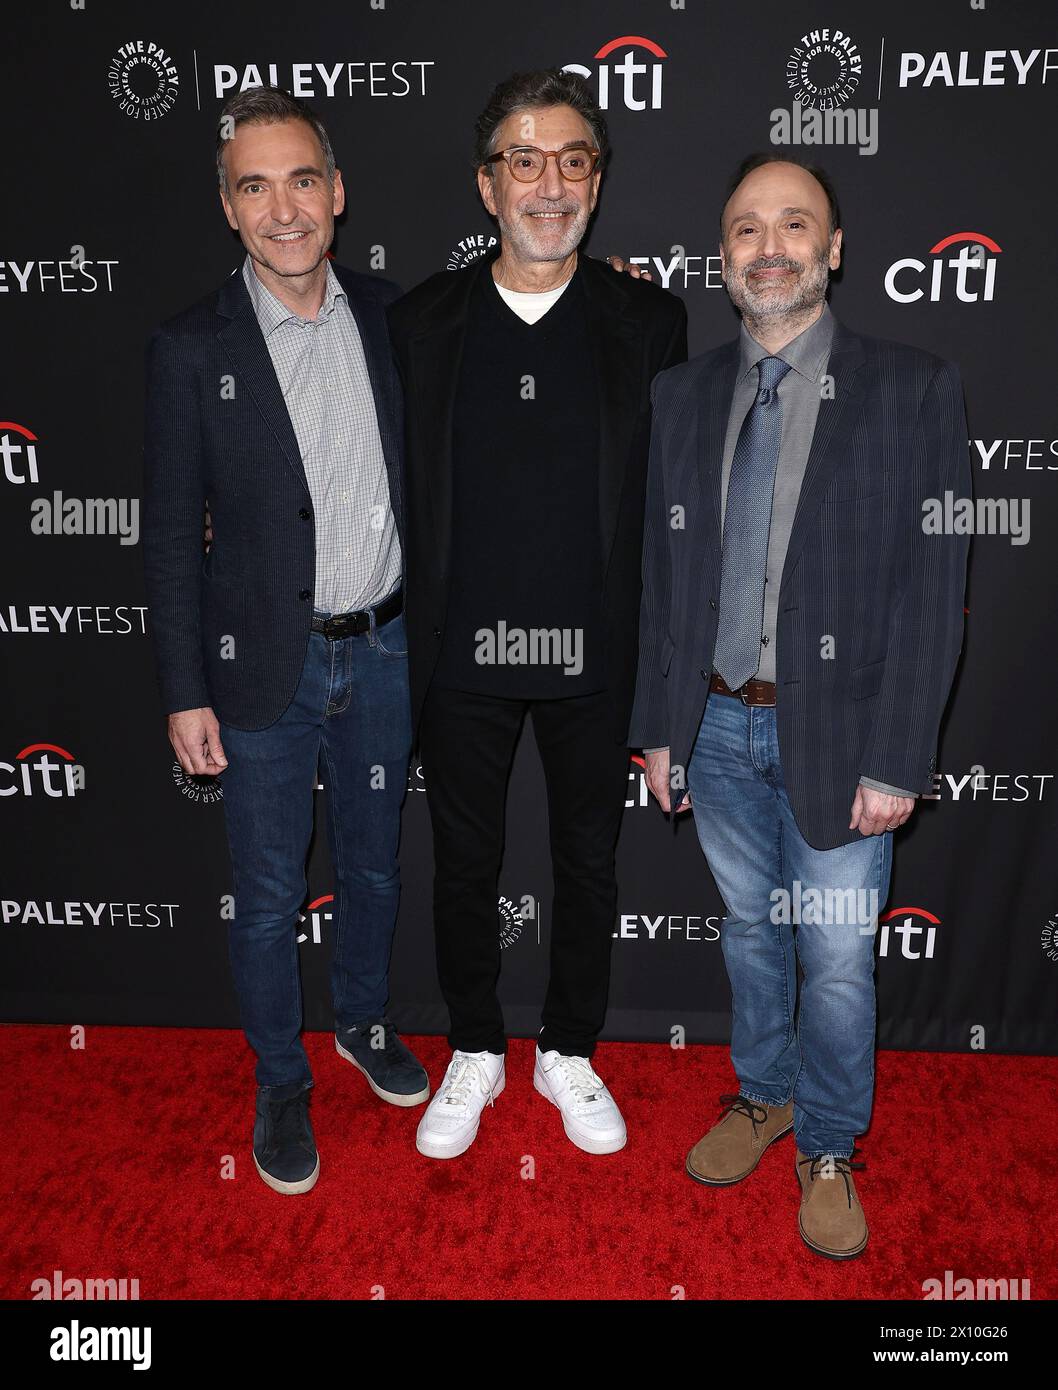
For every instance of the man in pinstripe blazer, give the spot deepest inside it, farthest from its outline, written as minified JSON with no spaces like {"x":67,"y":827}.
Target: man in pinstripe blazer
{"x":798,"y":639}
{"x":276,"y":400}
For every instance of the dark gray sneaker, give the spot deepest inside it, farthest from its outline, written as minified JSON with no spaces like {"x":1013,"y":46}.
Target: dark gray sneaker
{"x":393,"y":1072}
{"x":284,"y":1148}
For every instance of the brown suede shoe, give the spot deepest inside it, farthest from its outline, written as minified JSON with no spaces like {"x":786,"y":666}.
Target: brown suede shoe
{"x":733,"y":1147}
{"x":831,"y":1219}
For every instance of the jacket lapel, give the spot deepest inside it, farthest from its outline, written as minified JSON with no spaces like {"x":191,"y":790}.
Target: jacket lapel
{"x":718,"y":392}
{"x":436,"y":351}
{"x":244,"y":343}
{"x":370,"y":317}
{"x":834,"y":425}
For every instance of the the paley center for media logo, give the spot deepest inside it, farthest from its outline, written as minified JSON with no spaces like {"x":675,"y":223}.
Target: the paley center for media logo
{"x":143,"y":80}
{"x":823,"y":73}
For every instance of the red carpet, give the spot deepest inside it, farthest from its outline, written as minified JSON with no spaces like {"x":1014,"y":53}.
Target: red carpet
{"x":117,"y":1151}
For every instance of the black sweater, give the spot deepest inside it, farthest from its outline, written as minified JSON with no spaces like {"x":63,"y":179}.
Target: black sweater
{"x":525,"y":505}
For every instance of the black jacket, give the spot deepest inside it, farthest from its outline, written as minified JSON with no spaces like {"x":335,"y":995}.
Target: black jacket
{"x":859,"y":570}
{"x":636,"y":330}
{"x":237,"y":447}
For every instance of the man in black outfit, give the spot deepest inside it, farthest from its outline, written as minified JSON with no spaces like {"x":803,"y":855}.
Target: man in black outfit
{"x":527,"y":382}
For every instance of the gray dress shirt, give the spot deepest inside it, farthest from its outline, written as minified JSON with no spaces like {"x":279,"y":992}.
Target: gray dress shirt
{"x":323,"y":375}
{"x":799,"y":394}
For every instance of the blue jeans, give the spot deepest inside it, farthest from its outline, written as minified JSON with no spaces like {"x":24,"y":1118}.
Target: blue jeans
{"x":824,"y":1061}
{"x":351,"y":705}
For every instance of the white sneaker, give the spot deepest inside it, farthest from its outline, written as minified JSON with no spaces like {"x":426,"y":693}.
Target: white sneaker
{"x":590,"y":1115}
{"x":450,"y":1123}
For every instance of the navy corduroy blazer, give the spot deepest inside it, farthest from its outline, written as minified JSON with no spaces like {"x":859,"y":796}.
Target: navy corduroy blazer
{"x":217,"y":428}
{"x":859,"y":570}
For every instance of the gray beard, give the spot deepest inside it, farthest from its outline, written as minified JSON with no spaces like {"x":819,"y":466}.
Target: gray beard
{"x":767,"y":309}
{"x":521,"y":238}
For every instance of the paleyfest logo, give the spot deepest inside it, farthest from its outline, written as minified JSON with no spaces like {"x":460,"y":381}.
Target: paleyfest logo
{"x":143,"y":80}
{"x":824,"y":69}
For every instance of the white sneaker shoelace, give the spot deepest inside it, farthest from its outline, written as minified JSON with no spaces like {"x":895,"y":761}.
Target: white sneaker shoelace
{"x":464,"y":1076}
{"x":584,"y":1084}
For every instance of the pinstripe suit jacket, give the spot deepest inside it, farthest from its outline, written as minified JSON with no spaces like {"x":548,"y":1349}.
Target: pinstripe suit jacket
{"x":859,"y":570}
{"x":239,"y":450}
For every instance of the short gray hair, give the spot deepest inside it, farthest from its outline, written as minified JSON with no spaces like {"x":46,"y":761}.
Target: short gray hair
{"x":267,"y":106}
{"x":526,"y":91}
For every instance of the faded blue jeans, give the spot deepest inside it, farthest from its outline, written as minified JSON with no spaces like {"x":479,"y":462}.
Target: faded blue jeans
{"x":350,"y":715}
{"x":823,"y":1056}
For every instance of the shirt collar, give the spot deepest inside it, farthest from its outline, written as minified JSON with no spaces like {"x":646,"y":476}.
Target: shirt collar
{"x":807,"y":353}
{"x":272,"y":312}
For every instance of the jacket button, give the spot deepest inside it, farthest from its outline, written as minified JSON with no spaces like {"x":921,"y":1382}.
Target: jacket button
{"x":704,"y":674}
{"x":437,"y":632}
{"x":305,"y":593}
{"x":304,"y":513}
{"x":712,"y":604}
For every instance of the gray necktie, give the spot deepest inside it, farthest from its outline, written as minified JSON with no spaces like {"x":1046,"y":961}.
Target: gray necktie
{"x":747,"y":521}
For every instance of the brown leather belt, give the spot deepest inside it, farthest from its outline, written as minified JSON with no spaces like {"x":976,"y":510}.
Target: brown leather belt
{"x":754,"y":692}
{"x":353,"y":624}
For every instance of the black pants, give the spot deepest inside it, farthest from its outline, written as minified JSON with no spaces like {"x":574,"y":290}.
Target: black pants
{"x":467,"y":744}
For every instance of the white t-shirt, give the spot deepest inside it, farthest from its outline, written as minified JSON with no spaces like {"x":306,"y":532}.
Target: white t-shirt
{"x":532,"y":306}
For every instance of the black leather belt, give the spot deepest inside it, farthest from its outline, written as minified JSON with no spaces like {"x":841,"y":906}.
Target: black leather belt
{"x":355,"y":623}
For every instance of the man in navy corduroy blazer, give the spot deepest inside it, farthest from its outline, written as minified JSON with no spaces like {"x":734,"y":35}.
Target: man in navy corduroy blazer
{"x":282,"y":649}
{"x":799,"y":633}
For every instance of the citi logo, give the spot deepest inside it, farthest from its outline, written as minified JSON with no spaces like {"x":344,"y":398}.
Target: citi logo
{"x":19,"y":454}
{"x":315,"y":917}
{"x":917,"y":938}
{"x":635,"y":94}
{"x":976,"y":254}
{"x":34,"y":772}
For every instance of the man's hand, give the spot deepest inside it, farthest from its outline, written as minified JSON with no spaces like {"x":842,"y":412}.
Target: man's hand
{"x":195,"y":736}
{"x":657,"y":771}
{"x":875,"y":812}
{"x":636,"y":271}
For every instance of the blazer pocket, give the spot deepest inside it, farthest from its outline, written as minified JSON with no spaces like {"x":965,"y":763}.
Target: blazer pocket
{"x":850,"y":498}
{"x":665,"y":661}
{"x":866,"y":680}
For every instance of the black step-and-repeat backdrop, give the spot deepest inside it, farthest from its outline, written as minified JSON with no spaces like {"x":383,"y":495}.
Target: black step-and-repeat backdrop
{"x":936,"y":122}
